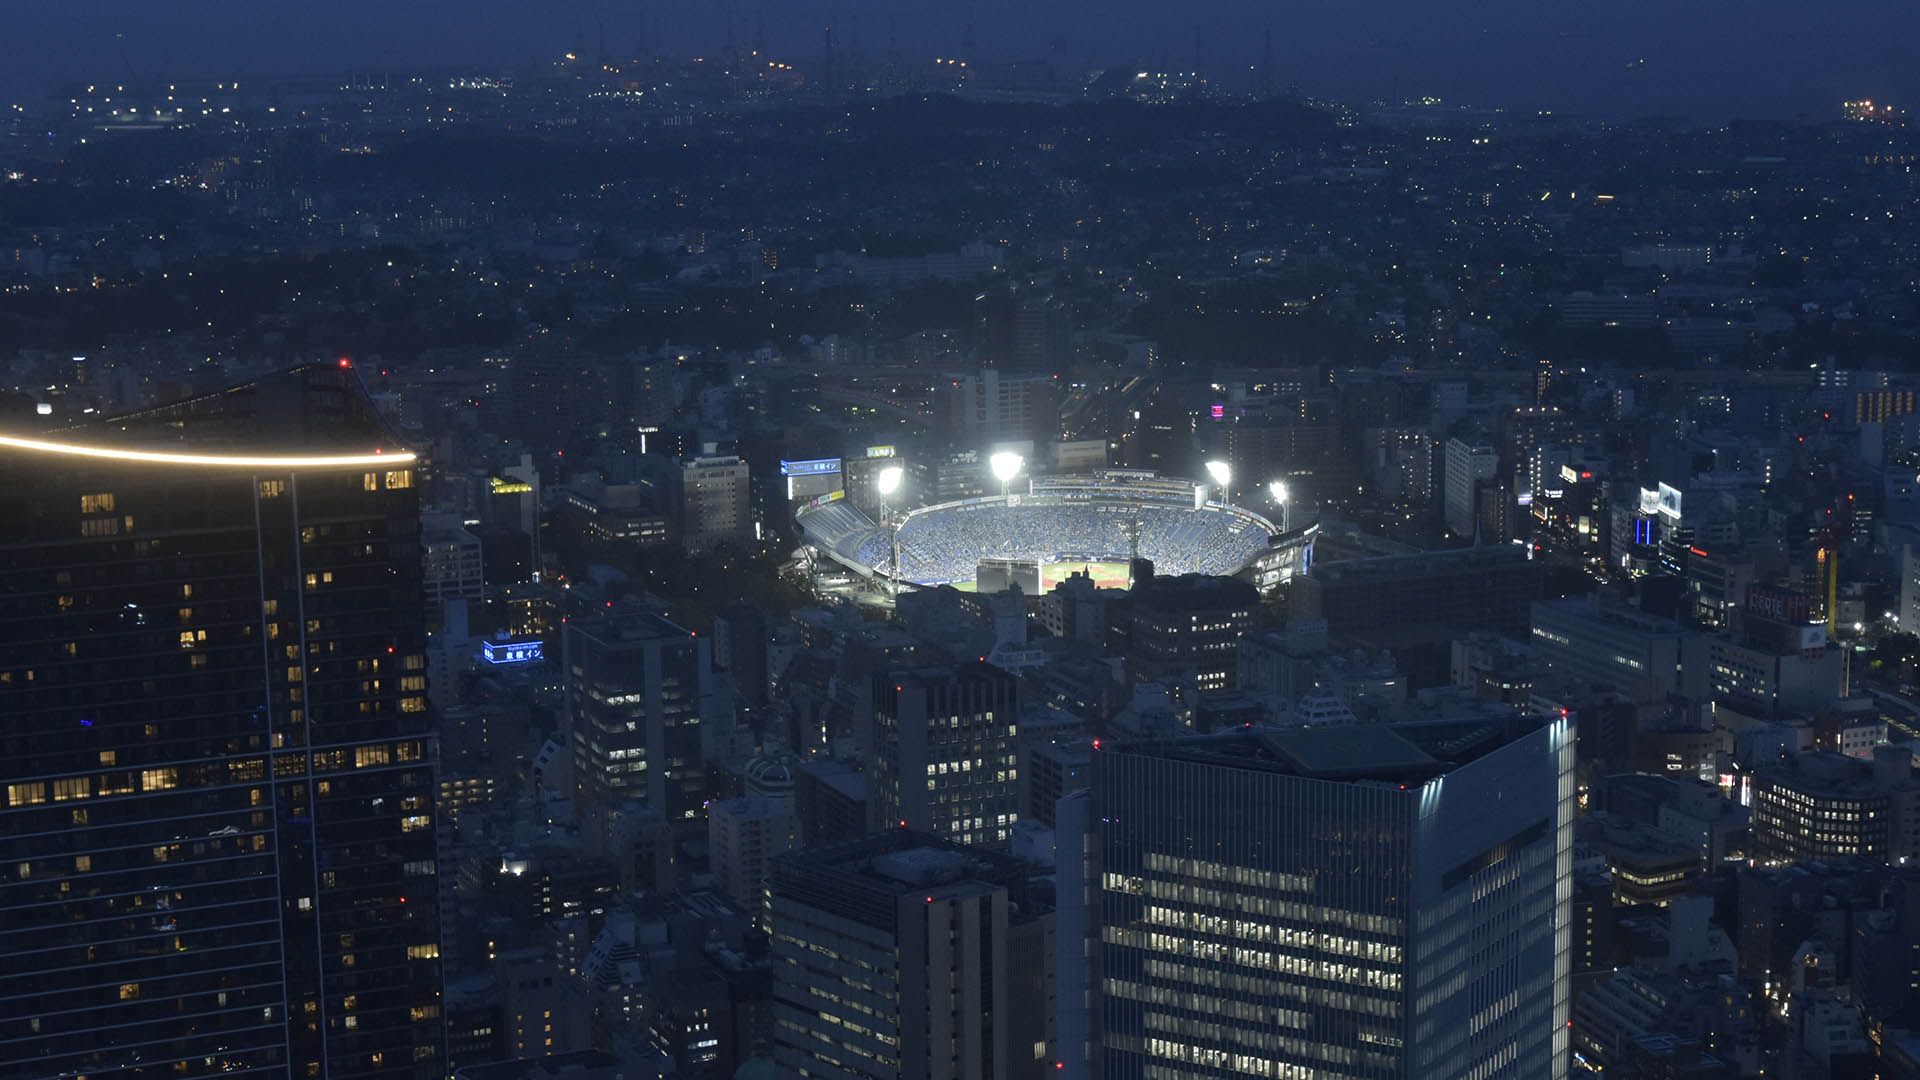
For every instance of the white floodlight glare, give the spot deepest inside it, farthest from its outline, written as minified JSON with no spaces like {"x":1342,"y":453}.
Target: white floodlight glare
{"x":1220,"y":471}
{"x":889,"y":480}
{"x":1278,"y":489}
{"x":1005,"y":465}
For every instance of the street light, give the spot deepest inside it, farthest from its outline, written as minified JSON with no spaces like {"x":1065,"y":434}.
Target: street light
{"x":1278,"y":489}
{"x":886,"y":483}
{"x":1221,"y":473}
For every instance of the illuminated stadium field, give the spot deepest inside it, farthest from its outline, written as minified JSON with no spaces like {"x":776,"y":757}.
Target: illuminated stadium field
{"x":1063,"y":523}
{"x":1107,"y":575}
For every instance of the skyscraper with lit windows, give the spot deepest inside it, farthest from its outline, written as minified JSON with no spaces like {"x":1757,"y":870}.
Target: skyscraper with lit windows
{"x":217,"y":841}
{"x":945,"y":752}
{"x":1368,"y":902}
{"x":637,"y":684}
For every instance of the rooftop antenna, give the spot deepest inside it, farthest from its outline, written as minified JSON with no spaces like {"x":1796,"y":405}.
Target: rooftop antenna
{"x":826,"y":76}
{"x":1266,"y":65}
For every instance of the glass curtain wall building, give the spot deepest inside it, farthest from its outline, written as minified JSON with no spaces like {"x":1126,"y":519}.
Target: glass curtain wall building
{"x":1366,"y":902}
{"x":217,"y":833}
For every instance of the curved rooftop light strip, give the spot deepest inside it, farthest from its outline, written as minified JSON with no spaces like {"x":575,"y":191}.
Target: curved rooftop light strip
{"x":226,"y":461}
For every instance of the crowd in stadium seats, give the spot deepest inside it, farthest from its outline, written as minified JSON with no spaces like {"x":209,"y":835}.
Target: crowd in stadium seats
{"x":944,"y":545}
{"x":839,"y":526}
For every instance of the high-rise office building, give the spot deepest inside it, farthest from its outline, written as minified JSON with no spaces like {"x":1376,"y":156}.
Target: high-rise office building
{"x":1467,"y":465}
{"x":1614,"y":647}
{"x":1182,"y":632}
{"x":896,"y":956}
{"x":636,"y":687}
{"x":713,"y":503}
{"x":742,"y":835}
{"x":946,"y":755}
{"x":1418,"y":605}
{"x":217,"y":845}
{"x":1368,"y":902}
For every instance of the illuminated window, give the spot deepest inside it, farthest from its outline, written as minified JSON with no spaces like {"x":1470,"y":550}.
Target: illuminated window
{"x":400,"y":478}
{"x":70,"y":789}
{"x":413,"y":704}
{"x":369,"y":756}
{"x":159,"y":779}
{"x":129,"y":991}
{"x":270,"y":489}
{"x":97,"y":504}
{"x":371,"y":481}
{"x":423,"y":952}
{"x":31,"y":794}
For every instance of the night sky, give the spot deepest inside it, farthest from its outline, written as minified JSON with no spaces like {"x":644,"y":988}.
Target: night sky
{"x":1706,"y":59}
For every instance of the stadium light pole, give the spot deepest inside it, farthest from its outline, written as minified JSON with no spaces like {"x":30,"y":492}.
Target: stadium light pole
{"x":1278,"y":489}
{"x":1222,"y":474}
{"x":886,"y":484}
{"x":1005,"y":466}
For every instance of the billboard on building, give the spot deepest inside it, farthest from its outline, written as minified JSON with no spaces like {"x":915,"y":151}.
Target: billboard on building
{"x":1779,"y":605}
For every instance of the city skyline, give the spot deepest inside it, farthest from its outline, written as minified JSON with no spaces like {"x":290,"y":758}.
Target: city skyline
{"x":1642,"y":59}
{"x":550,"y":543}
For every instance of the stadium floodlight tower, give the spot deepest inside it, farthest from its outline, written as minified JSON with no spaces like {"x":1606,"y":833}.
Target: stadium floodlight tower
{"x":1005,"y":466}
{"x":1222,"y":474}
{"x":1278,"y":489}
{"x":887,"y":483}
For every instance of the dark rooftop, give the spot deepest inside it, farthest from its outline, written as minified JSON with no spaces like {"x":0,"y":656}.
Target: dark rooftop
{"x":310,"y":408}
{"x":1394,"y":753}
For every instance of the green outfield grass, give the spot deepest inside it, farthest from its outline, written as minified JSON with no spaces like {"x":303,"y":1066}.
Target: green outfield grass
{"x":1107,"y":575}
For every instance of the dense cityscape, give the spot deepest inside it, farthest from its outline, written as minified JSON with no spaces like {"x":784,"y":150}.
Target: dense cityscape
{"x":853,"y":564}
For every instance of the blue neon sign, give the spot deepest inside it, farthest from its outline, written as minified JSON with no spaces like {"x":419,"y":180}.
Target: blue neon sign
{"x":510,"y":652}
{"x":815,"y":467}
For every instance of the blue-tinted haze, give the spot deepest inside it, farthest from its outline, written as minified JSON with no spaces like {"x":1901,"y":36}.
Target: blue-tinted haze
{"x":1709,"y":59}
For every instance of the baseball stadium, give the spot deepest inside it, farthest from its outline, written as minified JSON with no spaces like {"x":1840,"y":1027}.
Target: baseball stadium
{"x":1093,"y":524}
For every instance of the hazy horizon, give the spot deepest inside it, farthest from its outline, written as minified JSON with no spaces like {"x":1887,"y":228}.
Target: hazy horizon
{"x":1707,"y":59}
